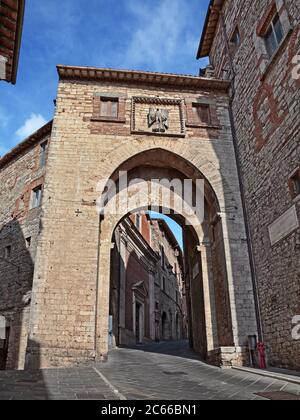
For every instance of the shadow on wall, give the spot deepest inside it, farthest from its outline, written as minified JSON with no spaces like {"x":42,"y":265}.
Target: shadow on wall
{"x":16,"y":277}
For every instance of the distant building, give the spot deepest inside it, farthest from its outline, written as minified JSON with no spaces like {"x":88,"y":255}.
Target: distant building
{"x":147,"y":290}
{"x":11,"y":26}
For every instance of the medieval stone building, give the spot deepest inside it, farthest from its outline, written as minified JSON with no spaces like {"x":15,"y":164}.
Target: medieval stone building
{"x":256,"y":45}
{"x":67,"y":243}
{"x":11,"y":26}
{"x":147,"y":290}
{"x":151,"y":127}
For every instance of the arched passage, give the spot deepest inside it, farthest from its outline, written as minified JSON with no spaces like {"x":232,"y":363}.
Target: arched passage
{"x":208,"y":301}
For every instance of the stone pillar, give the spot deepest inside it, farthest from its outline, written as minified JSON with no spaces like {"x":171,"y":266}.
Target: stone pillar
{"x":102,"y":320}
{"x":209,"y":296}
{"x":122,"y":297}
{"x":239,"y":279}
{"x":152,"y":304}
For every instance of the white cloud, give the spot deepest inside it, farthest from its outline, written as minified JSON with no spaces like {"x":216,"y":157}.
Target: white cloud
{"x":31,"y":125}
{"x":161,"y":36}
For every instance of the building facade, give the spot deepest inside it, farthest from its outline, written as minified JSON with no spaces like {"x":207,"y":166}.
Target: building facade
{"x":22,"y":174}
{"x":153,"y":127}
{"x":11,"y":27}
{"x":146,"y":292}
{"x":256,"y":46}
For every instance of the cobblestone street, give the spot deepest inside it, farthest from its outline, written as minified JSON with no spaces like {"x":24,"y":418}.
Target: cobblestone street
{"x":154,"y":372}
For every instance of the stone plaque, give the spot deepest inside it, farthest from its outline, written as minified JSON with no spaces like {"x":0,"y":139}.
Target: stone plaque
{"x":158,"y":116}
{"x":284,"y":225}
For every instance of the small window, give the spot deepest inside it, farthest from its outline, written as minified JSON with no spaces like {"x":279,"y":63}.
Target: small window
{"x":7,"y":252}
{"x":36,"y":197}
{"x":236,"y":38}
{"x":202,"y":113}
{"x":28,"y":242}
{"x":274,"y":35}
{"x":138,"y":221}
{"x":43,"y":153}
{"x":295,"y":184}
{"x":109,"y":108}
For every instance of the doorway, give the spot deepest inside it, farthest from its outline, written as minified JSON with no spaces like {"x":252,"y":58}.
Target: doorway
{"x":4,"y":349}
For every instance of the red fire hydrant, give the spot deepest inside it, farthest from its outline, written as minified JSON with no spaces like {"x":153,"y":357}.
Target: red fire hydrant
{"x":262,"y":355}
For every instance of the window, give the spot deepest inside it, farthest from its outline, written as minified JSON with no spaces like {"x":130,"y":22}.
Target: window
{"x":138,"y":221}
{"x":43,"y":153}
{"x":7,"y":252}
{"x":109,"y":108}
{"x":236,"y":38}
{"x":295,"y":184}
{"x":202,"y":113}
{"x":28,"y":242}
{"x":274,"y":35}
{"x":36,"y":197}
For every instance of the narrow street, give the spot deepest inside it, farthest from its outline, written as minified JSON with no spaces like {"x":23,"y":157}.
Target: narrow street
{"x":167,"y":371}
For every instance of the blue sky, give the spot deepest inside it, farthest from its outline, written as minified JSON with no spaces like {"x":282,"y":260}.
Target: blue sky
{"x":158,"y":35}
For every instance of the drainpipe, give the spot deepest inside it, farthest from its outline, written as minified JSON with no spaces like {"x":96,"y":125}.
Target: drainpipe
{"x":245,"y":211}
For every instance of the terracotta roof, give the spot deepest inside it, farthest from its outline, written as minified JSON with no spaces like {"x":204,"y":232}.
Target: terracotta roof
{"x":11,"y":26}
{"x":210,"y":27}
{"x":27,"y":143}
{"x":140,"y":77}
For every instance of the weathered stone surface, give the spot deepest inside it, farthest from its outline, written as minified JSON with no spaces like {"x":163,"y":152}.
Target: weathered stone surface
{"x":266,"y":116}
{"x":70,"y":295}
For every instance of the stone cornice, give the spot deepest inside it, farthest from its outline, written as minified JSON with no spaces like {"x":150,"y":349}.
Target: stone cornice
{"x":11,"y":27}
{"x":210,"y":27}
{"x":141,"y":77}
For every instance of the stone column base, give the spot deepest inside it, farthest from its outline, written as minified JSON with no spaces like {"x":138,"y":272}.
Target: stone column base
{"x":227,"y":357}
{"x":47,"y":358}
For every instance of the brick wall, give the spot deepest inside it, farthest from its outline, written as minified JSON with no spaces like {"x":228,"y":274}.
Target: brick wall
{"x":19,"y":229}
{"x":266,"y":116}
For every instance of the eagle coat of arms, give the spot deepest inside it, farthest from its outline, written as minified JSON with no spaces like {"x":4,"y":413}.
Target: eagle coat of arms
{"x":159,"y":119}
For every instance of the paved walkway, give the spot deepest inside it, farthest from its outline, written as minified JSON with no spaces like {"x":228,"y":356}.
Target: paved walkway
{"x":155,"y":372}
{"x":172,"y":372}
{"x":54,"y":384}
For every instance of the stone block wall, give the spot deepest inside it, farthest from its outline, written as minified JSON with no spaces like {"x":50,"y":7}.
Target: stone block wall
{"x":266,"y":117}
{"x":19,"y":231}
